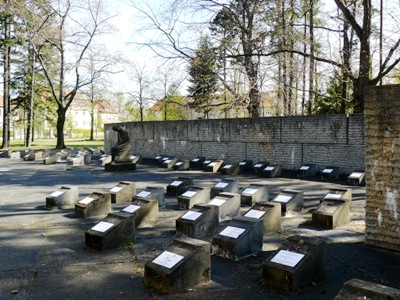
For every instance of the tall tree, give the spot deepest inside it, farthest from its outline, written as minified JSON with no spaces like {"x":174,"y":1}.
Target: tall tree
{"x":203,"y":77}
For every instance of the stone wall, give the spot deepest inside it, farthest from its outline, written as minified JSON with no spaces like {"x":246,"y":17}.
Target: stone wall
{"x":290,"y":141}
{"x":382,"y":131}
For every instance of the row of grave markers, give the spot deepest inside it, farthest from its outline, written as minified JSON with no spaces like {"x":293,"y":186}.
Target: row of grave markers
{"x":241,"y":237}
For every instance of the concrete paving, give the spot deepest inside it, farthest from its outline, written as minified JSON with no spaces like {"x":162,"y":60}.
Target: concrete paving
{"x":43,"y":253}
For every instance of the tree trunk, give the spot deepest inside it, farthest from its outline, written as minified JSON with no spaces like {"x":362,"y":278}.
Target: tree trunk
{"x":60,"y":127}
{"x":29,"y":128}
{"x":6,"y":84}
{"x":311,"y":79}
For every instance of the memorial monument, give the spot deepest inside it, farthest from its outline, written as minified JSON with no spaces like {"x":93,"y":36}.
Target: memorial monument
{"x":121,"y":152}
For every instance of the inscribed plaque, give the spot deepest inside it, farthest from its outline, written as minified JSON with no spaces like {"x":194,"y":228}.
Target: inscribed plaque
{"x":86,"y":200}
{"x":221,"y":185}
{"x":242,"y":163}
{"x":196,"y":160}
{"x":179,"y":163}
{"x":56,"y":193}
{"x":176,"y":183}
{"x":217,"y":202}
{"x":269,"y":168}
{"x":356,"y":175}
{"x":283,"y":198}
{"x":304,"y":168}
{"x":131,"y":208}
{"x":287,"y":258}
{"x":333,"y":196}
{"x":232,"y":232}
{"x":102,"y":226}
{"x":258,"y":165}
{"x":189,"y":194}
{"x":191,"y":215}
{"x":253,"y":213}
{"x":249,"y":191}
{"x":116,"y":189}
{"x":143,"y":194}
{"x":227,"y":166}
{"x":327,"y":171}
{"x":168,"y":259}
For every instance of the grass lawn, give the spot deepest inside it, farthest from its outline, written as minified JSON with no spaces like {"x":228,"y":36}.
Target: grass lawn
{"x":47,"y":144}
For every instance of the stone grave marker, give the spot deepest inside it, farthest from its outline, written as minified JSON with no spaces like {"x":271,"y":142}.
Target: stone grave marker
{"x":206,"y":162}
{"x":307,"y":170}
{"x":136,"y":159}
{"x":246,"y":165}
{"x":299,"y":262}
{"x":181,"y":266}
{"x":49,"y":160}
{"x":356,"y":178}
{"x":192,"y":196}
{"x":230,"y":169}
{"x":113,"y":231}
{"x":330,"y":173}
{"x":269,"y":213}
{"x":96,"y":204}
{"x":200,"y":222}
{"x":338,"y":194}
{"x":254,"y":193}
{"x":179,"y":186}
{"x":169,"y":162}
{"x":197,"y":163}
{"x":214,"y":166}
{"x":225,"y":185}
{"x":181,"y":165}
{"x":123,"y":192}
{"x":290,"y":201}
{"x":152,"y":192}
{"x":144,"y":212}
{"x":361,"y":290}
{"x":105,"y":159}
{"x":259,"y":167}
{"x":272,"y":171}
{"x":242,"y":237}
{"x":228,"y":205}
{"x":65,"y":197}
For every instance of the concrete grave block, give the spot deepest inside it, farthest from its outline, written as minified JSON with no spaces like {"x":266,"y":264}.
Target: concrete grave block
{"x":65,"y":197}
{"x":87,"y":157}
{"x":30,"y":156}
{"x":259,"y":167}
{"x":299,"y":262}
{"x":160,"y":158}
{"x":181,"y":165}
{"x":230,"y":169}
{"x":97,"y":204}
{"x":242,"y":237}
{"x":4,"y":153}
{"x":197,"y":163}
{"x":169,"y":162}
{"x":113,"y":231}
{"x":330,"y":173}
{"x":201,"y":221}
{"x":272,"y":171}
{"x":144,"y":211}
{"x":214,"y":166}
{"x":206,"y":162}
{"x":254,"y":193}
{"x":63,"y":155}
{"x":152,"y":192}
{"x":123,"y":192}
{"x":39,"y":155}
{"x":356,"y":178}
{"x":307,"y":170}
{"x":15,"y":155}
{"x":228,"y":205}
{"x":105,"y":159}
{"x":338,"y":194}
{"x":78,"y":160}
{"x":290,"y":201}
{"x":50,"y":160}
{"x":246,"y":165}
{"x":183,"y":265}
{"x":269,"y":213}
{"x":194,"y":195}
{"x":361,"y":289}
{"x":120,"y":166}
{"x":331,"y":213}
{"x":179,"y":186}
{"x":136,"y":159}
{"x":225,"y":185}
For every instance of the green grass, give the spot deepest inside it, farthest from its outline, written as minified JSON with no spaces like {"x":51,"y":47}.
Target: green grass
{"x":43,"y":144}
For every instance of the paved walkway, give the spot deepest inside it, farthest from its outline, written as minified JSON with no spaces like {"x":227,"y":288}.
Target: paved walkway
{"x":43,"y":254}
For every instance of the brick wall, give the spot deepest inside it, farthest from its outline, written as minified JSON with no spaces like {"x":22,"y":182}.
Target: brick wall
{"x":290,"y":141}
{"x":382,"y":134}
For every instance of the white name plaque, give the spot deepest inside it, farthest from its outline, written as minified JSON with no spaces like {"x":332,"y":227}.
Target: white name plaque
{"x":168,"y":259}
{"x":227,"y":166}
{"x":158,"y":157}
{"x":249,"y":191}
{"x":176,"y":183}
{"x":191,"y":215}
{"x":179,"y":163}
{"x":287,"y":258}
{"x":221,"y":185}
{"x":242,"y":163}
{"x":356,"y":175}
{"x":333,"y":196}
{"x":217,"y":202}
{"x":258,"y":165}
{"x":102,"y":226}
{"x":131,"y":208}
{"x":143,"y":194}
{"x":253,"y":213}
{"x":232,"y":232}
{"x":56,"y":193}
{"x":207,"y":161}
{"x":283,"y":198}
{"x":167,"y":161}
{"x":116,"y":189}
{"x":86,"y":200}
{"x":304,"y":168}
{"x":269,"y":168}
{"x":196,"y":160}
{"x":327,"y":171}
{"x":189,"y":194}
{"x":212,"y":164}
